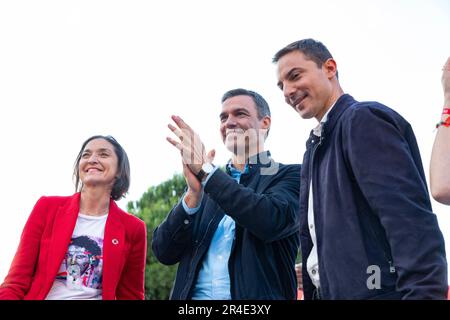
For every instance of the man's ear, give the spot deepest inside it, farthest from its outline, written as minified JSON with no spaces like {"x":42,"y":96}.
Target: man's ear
{"x":266,"y":121}
{"x":266,"y":125}
{"x":330,"y":68}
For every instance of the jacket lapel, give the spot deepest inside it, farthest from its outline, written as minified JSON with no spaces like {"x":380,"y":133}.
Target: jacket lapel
{"x":113,"y":248}
{"x":342,"y":104}
{"x":63,"y":226}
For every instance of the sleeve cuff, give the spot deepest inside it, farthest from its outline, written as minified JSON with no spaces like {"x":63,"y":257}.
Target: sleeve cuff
{"x":209,"y":176}
{"x":191,"y":211}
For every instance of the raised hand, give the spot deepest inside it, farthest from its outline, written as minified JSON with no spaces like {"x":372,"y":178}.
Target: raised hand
{"x":193,"y":156}
{"x":190,"y":145}
{"x":195,"y":190}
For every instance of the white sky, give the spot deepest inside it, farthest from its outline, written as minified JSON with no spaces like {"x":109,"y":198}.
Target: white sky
{"x":72,"y":69}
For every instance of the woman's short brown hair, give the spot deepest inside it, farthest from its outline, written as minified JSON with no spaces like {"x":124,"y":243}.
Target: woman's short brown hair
{"x":122,"y":183}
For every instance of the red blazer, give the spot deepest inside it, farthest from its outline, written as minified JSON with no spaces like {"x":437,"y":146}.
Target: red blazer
{"x":45,"y":240}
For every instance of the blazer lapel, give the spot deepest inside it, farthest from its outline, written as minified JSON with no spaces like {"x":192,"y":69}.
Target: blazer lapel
{"x":113,"y":248}
{"x":63,"y":226}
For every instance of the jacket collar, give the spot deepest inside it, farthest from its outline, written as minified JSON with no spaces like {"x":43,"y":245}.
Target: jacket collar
{"x":63,"y":226}
{"x":113,"y":250}
{"x":262,"y":159}
{"x":113,"y":242}
{"x":342,"y":103}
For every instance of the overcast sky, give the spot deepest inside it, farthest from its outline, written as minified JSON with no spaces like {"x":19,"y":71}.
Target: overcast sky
{"x":72,"y":69}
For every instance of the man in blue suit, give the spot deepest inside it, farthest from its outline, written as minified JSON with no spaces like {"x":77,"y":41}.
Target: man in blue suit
{"x":367,"y":227}
{"x":235,"y":234}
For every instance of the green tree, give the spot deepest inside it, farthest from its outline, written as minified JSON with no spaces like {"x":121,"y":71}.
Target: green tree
{"x":153,"y":207}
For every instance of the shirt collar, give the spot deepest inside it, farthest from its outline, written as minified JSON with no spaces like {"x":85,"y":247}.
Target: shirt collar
{"x":235,"y":172}
{"x":261,"y":159}
{"x":318,"y":129}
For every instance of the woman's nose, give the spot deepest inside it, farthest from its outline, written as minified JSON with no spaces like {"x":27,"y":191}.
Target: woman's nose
{"x":93,"y":158}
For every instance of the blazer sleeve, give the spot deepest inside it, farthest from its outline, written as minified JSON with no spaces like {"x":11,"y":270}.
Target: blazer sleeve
{"x":173,"y":235}
{"x":131,"y":283}
{"x":270,"y":215}
{"x":20,"y":275}
{"x":385,"y":160}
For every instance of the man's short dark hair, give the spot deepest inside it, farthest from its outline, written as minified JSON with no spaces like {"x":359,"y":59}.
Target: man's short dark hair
{"x":262,"y":107}
{"x":312,"y":49}
{"x":122,"y":183}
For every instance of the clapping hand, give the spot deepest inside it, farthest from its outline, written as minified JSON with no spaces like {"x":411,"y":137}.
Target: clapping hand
{"x":193,"y":156}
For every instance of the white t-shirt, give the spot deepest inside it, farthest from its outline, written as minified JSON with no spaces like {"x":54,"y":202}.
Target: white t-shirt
{"x":80,"y":274}
{"x":312,"y":263}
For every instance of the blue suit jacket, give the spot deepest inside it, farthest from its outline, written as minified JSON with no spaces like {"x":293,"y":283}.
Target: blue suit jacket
{"x":371,"y":208}
{"x":262,"y":259}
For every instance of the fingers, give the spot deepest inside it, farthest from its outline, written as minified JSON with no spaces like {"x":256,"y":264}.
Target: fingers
{"x":180,"y":134}
{"x":175,"y":143}
{"x":176,"y":131}
{"x":188,"y":153}
{"x":189,"y":144}
{"x":183,"y":131}
{"x":183,"y":128}
{"x":180,"y":123}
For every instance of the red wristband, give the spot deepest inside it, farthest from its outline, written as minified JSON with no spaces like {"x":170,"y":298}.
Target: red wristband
{"x":446,"y":111}
{"x":445,"y":123}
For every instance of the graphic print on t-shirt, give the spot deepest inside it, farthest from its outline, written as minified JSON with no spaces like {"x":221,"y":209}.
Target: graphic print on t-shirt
{"x":82,"y":265}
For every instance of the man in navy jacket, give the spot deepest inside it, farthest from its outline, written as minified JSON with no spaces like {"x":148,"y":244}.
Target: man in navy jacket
{"x":367,"y":227}
{"x":235,"y":234}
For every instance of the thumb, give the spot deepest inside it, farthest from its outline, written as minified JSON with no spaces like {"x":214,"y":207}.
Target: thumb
{"x":211,"y":154}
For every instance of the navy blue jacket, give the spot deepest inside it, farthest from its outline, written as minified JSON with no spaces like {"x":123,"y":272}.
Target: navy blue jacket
{"x":266,"y":241}
{"x":371,"y":208}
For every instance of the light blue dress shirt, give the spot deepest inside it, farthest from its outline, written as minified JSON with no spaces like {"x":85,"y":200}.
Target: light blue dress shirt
{"x":213,"y":281}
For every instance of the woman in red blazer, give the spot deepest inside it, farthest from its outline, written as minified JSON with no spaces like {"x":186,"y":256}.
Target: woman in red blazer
{"x":83,"y":246}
